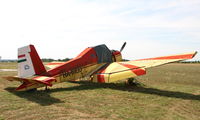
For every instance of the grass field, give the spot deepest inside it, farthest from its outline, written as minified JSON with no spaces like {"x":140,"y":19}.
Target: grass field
{"x":170,"y":92}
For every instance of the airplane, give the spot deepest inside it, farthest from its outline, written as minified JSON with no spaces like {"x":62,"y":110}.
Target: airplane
{"x":98,"y":63}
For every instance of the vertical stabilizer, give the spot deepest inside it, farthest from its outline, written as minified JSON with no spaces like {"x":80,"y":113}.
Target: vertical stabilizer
{"x":29,"y":62}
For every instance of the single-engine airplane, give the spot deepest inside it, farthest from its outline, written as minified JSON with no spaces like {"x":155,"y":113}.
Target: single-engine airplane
{"x":98,"y":63}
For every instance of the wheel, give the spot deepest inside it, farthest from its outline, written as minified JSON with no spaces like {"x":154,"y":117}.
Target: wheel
{"x":131,"y":81}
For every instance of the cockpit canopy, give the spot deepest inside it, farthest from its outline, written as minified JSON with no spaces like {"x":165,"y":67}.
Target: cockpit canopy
{"x":103,"y":53}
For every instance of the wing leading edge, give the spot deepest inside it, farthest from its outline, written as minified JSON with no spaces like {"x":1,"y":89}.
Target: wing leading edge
{"x":153,"y":62}
{"x":123,"y":70}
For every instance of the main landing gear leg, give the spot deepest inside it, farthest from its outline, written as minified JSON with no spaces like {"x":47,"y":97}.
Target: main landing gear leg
{"x":46,"y":88}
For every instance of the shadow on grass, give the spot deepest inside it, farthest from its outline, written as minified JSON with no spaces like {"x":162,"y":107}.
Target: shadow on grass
{"x":41,"y":97}
{"x":138,"y":88}
{"x":44,"y":98}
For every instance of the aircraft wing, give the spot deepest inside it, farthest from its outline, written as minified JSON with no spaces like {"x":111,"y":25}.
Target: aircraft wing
{"x":152,"y":62}
{"x":123,"y":70}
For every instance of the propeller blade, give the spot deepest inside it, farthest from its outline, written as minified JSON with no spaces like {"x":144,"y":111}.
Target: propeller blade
{"x":123,"y":46}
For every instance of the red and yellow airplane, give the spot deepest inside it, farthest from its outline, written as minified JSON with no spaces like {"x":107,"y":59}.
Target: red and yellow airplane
{"x":98,"y":63}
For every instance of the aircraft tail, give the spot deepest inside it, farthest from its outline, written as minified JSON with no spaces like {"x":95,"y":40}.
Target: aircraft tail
{"x":29,"y":62}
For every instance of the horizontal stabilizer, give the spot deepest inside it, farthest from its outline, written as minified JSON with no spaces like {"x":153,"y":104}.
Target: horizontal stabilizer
{"x":39,"y":79}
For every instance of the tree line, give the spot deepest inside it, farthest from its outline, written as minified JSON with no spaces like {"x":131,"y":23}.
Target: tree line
{"x":51,"y":60}
{"x":196,"y":61}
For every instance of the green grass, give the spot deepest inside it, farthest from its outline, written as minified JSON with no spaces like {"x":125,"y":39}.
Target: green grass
{"x":169,"y":92}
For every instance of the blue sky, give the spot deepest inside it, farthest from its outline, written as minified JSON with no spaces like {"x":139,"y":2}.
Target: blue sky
{"x":63,"y":28}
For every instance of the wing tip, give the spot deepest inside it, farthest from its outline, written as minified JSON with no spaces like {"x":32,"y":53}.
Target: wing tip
{"x":195,"y":53}
{"x":192,"y":55}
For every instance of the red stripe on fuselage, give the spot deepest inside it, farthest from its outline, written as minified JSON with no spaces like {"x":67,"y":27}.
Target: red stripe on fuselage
{"x":88,"y":56}
{"x":135,"y":69}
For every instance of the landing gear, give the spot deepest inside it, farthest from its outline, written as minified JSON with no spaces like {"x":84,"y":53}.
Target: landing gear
{"x":131,"y":81}
{"x":46,"y":88}
{"x":134,"y":82}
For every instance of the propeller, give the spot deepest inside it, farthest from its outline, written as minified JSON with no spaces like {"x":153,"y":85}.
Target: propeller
{"x":123,"y":46}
